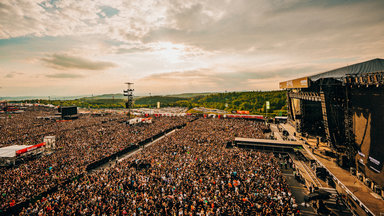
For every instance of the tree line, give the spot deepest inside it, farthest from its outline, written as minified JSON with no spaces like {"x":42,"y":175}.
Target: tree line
{"x":252,"y":101}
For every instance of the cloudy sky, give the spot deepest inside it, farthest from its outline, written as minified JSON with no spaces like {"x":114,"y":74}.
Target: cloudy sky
{"x":72,"y":47}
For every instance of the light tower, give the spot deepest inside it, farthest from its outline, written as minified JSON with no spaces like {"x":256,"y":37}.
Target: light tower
{"x":129,"y":94}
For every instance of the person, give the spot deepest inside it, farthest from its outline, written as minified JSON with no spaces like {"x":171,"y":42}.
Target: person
{"x":339,"y":203}
{"x":317,"y":142}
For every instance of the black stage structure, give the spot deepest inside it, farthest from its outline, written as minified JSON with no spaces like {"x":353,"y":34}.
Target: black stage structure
{"x":345,"y":107}
{"x":68,"y":112}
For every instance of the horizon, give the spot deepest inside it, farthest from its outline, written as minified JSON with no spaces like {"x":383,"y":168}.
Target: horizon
{"x":68,"y":47}
{"x":58,"y":97}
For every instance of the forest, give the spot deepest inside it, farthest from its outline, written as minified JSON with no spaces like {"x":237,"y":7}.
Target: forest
{"x":252,"y":101}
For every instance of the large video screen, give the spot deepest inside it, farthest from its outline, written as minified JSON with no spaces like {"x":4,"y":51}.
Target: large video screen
{"x":69,"y":110}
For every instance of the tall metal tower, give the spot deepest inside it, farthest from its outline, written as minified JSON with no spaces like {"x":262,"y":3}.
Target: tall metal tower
{"x":129,"y":94}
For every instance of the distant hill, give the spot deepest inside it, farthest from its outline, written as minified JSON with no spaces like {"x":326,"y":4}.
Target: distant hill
{"x":252,"y":101}
{"x":97,"y":97}
{"x":22,"y":98}
{"x":120,"y":96}
{"x":106,"y":96}
{"x":164,"y":100}
{"x":189,"y":95}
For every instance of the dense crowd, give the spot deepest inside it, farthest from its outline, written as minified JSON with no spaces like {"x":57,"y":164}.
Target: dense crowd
{"x":189,"y":172}
{"x":31,"y":126}
{"x":78,"y":143}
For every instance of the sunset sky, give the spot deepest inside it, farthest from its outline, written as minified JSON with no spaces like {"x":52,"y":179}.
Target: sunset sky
{"x":72,"y":47}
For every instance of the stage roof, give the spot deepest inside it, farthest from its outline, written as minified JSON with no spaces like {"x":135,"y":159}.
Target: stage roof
{"x":374,"y":65}
{"x":10,"y":151}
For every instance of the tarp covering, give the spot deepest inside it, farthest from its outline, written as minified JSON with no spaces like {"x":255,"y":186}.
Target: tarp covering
{"x":373,"y":65}
{"x":10,"y":151}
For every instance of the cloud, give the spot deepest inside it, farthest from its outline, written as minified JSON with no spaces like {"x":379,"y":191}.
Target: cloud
{"x":12,"y":74}
{"x":64,"y":76}
{"x":211,"y":79}
{"x":286,"y":27}
{"x":133,"y":50}
{"x":186,"y":45}
{"x":63,"y":61}
{"x":120,"y":20}
{"x":292,"y":27}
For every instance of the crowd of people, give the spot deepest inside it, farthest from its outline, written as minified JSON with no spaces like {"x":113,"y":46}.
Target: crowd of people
{"x":32,"y":125}
{"x":188,"y":172}
{"x":78,"y":143}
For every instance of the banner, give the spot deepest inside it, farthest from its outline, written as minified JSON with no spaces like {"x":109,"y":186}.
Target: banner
{"x":30,"y":148}
{"x":147,"y":120}
{"x":245,"y":116}
{"x":242,"y":112}
{"x":296,"y":83}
